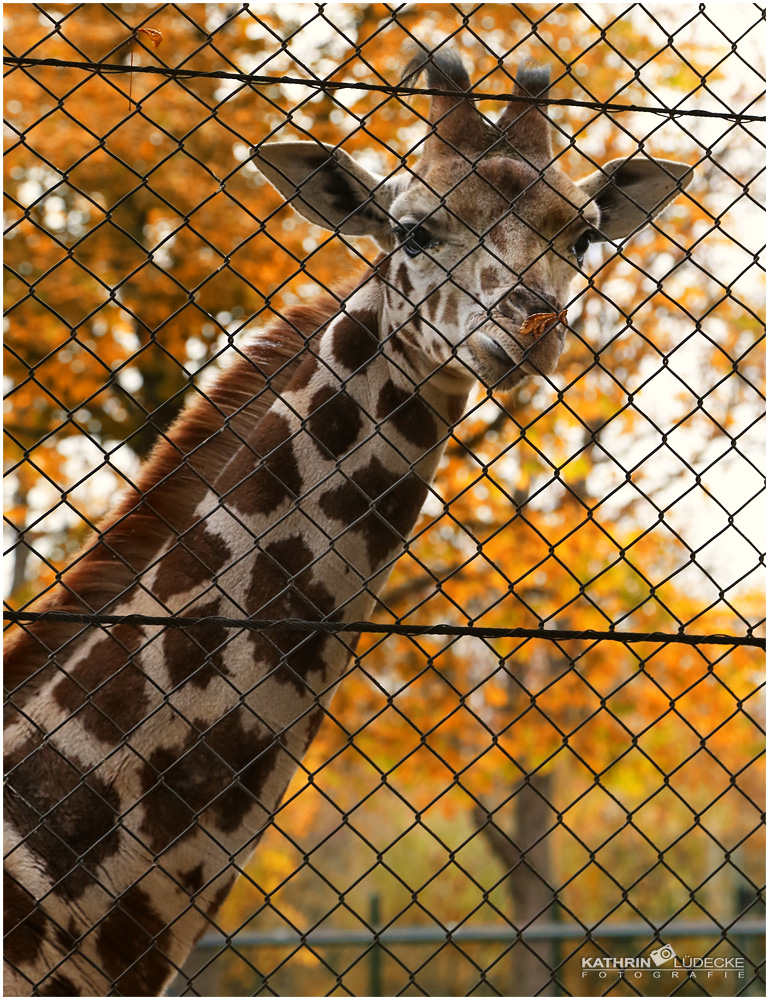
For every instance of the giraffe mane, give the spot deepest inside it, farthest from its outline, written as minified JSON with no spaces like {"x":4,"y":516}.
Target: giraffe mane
{"x":159,"y":503}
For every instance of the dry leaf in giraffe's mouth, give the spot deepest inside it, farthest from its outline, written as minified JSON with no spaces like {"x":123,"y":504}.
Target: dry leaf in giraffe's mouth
{"x":155,"y":36}
{"x":537,"y":323}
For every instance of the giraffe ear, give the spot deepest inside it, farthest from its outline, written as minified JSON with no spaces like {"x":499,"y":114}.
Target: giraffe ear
{"x":629,"y":193}
{"x":326,"y":186}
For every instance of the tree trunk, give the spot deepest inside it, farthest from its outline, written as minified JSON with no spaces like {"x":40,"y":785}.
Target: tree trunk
{"x":526,"y":856}
{"x":22,"y":549}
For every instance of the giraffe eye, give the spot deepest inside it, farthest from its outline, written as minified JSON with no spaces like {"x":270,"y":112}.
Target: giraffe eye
{"x":415,"y":239}
{"x":580,"y":247}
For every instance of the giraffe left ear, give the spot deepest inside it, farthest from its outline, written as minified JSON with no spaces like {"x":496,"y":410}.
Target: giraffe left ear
{"x":629,"y":193}
{"x":326,"y":186}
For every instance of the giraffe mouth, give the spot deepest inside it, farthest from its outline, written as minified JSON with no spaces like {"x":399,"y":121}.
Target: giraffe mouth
{"x":509,"y":353}
{"x":493,"y":347}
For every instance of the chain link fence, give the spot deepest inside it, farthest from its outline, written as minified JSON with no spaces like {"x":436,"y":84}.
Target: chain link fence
{"x":540,"y":771}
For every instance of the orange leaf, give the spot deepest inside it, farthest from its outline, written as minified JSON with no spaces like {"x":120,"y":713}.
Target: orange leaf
{"x":153,"y":34}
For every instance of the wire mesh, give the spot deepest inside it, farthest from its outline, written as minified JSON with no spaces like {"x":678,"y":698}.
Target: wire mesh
{"x":539,"y":773}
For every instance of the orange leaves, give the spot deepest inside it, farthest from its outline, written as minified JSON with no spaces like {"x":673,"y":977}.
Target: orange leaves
{"x":495,"y":696}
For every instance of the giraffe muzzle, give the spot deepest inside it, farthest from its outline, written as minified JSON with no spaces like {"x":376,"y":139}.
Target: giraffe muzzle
{"x":509,"y":349}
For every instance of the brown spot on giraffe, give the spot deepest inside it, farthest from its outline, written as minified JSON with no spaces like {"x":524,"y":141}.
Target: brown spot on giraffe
{"x":58,"y":986}
{"x":409,"y":414}
{"x":68,"y":820}
{"x":381,"y":505}
{"x":214,"y":775}
{"x":219,"y":896}
{"x":334,"y":420}
{"x":431,"y":307}
{"x":356,"y":339}
{"x":304,"y":373}
{"x":403,"y":282}
{"x":201,"y":554}
{"x":130,"y":942}
{"x":284,"y":586}
{"x":251,"y":491}
{"x":454,"y":407}
{"x":107,"y":692}
{"x":196,"y":653}
{"x":314,"y":720}
{"x":192,"y":879}
{"x":450,"y":314}
{"x":25,"y":924}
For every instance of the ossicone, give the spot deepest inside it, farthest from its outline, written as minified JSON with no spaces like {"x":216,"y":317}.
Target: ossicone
{"x":524,"y":122}
{"x":458,"y":128}
{"x":457,"y":125}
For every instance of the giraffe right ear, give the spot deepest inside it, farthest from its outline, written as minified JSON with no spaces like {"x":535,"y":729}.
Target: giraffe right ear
{"x":630,"y":192}
{"x":326,"y":186}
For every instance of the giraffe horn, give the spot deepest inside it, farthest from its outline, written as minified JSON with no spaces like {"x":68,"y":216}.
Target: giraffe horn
{"x":528,"y":129}
{"x":457,"y":124}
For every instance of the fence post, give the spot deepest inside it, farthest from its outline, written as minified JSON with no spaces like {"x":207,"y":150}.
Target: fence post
{"x":744,"y":899}
{"x":556,"y":951}
{"x":375,"y":955}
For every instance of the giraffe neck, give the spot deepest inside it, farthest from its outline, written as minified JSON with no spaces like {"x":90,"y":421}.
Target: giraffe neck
{"x":167,"y":752}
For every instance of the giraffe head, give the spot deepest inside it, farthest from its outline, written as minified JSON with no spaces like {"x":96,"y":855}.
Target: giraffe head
{"x":484,"y":231}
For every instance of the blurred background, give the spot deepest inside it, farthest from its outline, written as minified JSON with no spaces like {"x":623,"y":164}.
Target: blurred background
{"x":141,"y":244}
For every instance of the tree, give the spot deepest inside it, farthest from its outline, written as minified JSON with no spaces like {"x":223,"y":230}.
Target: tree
{"x":608,"y":774}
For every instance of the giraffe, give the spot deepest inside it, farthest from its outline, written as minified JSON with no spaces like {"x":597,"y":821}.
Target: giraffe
{"x":143,"y":763}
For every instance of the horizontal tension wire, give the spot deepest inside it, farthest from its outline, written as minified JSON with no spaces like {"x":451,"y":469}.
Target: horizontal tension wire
{"x":300,"y":625}
{"x":179,"y":73}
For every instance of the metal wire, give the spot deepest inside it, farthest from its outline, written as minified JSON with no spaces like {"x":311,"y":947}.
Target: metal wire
{"x":380,"y":628}
{"x":327,"y":86}
{"x":595,"y":803}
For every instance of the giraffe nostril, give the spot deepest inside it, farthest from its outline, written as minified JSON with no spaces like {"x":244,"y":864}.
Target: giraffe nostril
{"x":508,"y":308}
{"x":521,"y":303}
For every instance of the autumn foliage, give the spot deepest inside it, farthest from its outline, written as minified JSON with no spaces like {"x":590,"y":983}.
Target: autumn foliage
{"x":141,"y":243}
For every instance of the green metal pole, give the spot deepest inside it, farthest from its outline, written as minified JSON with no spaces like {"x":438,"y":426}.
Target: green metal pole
{"x":375,"y":955}
{"x":555,"y":954}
